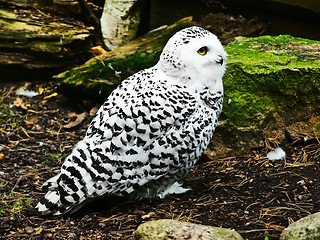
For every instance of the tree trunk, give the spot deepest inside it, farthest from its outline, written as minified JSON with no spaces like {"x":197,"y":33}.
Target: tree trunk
{"x":120,"y":21}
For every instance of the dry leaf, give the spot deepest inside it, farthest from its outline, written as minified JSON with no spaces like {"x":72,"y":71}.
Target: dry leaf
{"x":72,"y":114}
{"x":50,"y":96}
{"x":41,"y":90}
{"x":20,"y":103}
{"x":79,"y":119}
{"x":33,"y":111}
{"x":94,"y":110}
{"x":97,"y":50}
{"x":150,"y":214}
{"x":38,"y":230}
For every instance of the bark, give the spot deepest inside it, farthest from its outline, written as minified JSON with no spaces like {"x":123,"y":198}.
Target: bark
{"x":36,"y":41}
{"x":91,"y":20}
{"x":120,"y":21}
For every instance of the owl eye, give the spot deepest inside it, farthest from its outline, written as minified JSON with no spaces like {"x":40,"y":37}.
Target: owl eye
{"x":203,"y":51}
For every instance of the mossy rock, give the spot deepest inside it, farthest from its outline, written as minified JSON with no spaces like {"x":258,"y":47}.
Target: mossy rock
{"x":306,"y":228}
{"x":269,"y":72}
{"x":173,"y":229}
{"x":271,"y":83}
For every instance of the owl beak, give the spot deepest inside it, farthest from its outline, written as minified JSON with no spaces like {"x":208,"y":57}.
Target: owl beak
{"x":220,"y":61}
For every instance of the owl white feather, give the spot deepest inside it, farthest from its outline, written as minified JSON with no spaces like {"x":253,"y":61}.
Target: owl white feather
{"x":150,"y":131}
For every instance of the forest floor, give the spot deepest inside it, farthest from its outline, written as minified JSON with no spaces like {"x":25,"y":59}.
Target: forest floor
{"x":255,"y":196}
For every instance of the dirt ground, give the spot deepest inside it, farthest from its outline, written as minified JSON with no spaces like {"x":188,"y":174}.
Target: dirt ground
{"x":250,"y":194}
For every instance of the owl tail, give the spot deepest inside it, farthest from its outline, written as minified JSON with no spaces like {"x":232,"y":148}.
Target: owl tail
{"x":51,"y":204}
{"x":73,"y":187}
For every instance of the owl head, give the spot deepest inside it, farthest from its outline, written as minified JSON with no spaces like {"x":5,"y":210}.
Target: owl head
{"x":196,"y":57}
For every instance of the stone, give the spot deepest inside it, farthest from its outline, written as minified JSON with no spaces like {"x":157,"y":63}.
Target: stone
{"x":173,"y":229}
{"x":304,"y":229}
{"x":29,"y":229}
{"x":271,"y":83}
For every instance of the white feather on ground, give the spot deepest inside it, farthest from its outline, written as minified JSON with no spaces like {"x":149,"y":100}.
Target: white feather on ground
{"x":175,"y":188}
{"x":27,"y":93}
{"x":277,"y":154}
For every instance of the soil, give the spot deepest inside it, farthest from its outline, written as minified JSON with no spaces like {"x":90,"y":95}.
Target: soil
{"x":249,"y":193}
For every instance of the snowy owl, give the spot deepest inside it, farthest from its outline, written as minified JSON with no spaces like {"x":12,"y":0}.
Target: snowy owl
{"x":150,"y":131}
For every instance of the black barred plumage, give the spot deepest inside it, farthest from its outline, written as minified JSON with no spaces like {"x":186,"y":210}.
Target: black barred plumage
{"x":150,"y":131}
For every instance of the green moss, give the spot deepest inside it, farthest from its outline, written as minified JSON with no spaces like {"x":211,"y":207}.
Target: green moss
{"x":267,"y":73}
{"x":6,"y":14}
{"x":50,"y":47}
{"x":268,"y":54}
{"x":103,"y":76}
{"x":15,"y":202}
{"x":244,"y":109}
{"x":8,"y":117}
{"x":20,"y":204}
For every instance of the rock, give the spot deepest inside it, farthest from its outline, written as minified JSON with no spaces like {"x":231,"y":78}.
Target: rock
{"x":172,"y":229}
{"x":29,"y":229}
{"x":35,"y":40}
{"x":303,"y":229}
{"x":272,"y":82}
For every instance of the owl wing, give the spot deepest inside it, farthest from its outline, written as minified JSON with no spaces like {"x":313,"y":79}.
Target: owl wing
{"x":135,"y":138}
{"x":139,"y":131}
